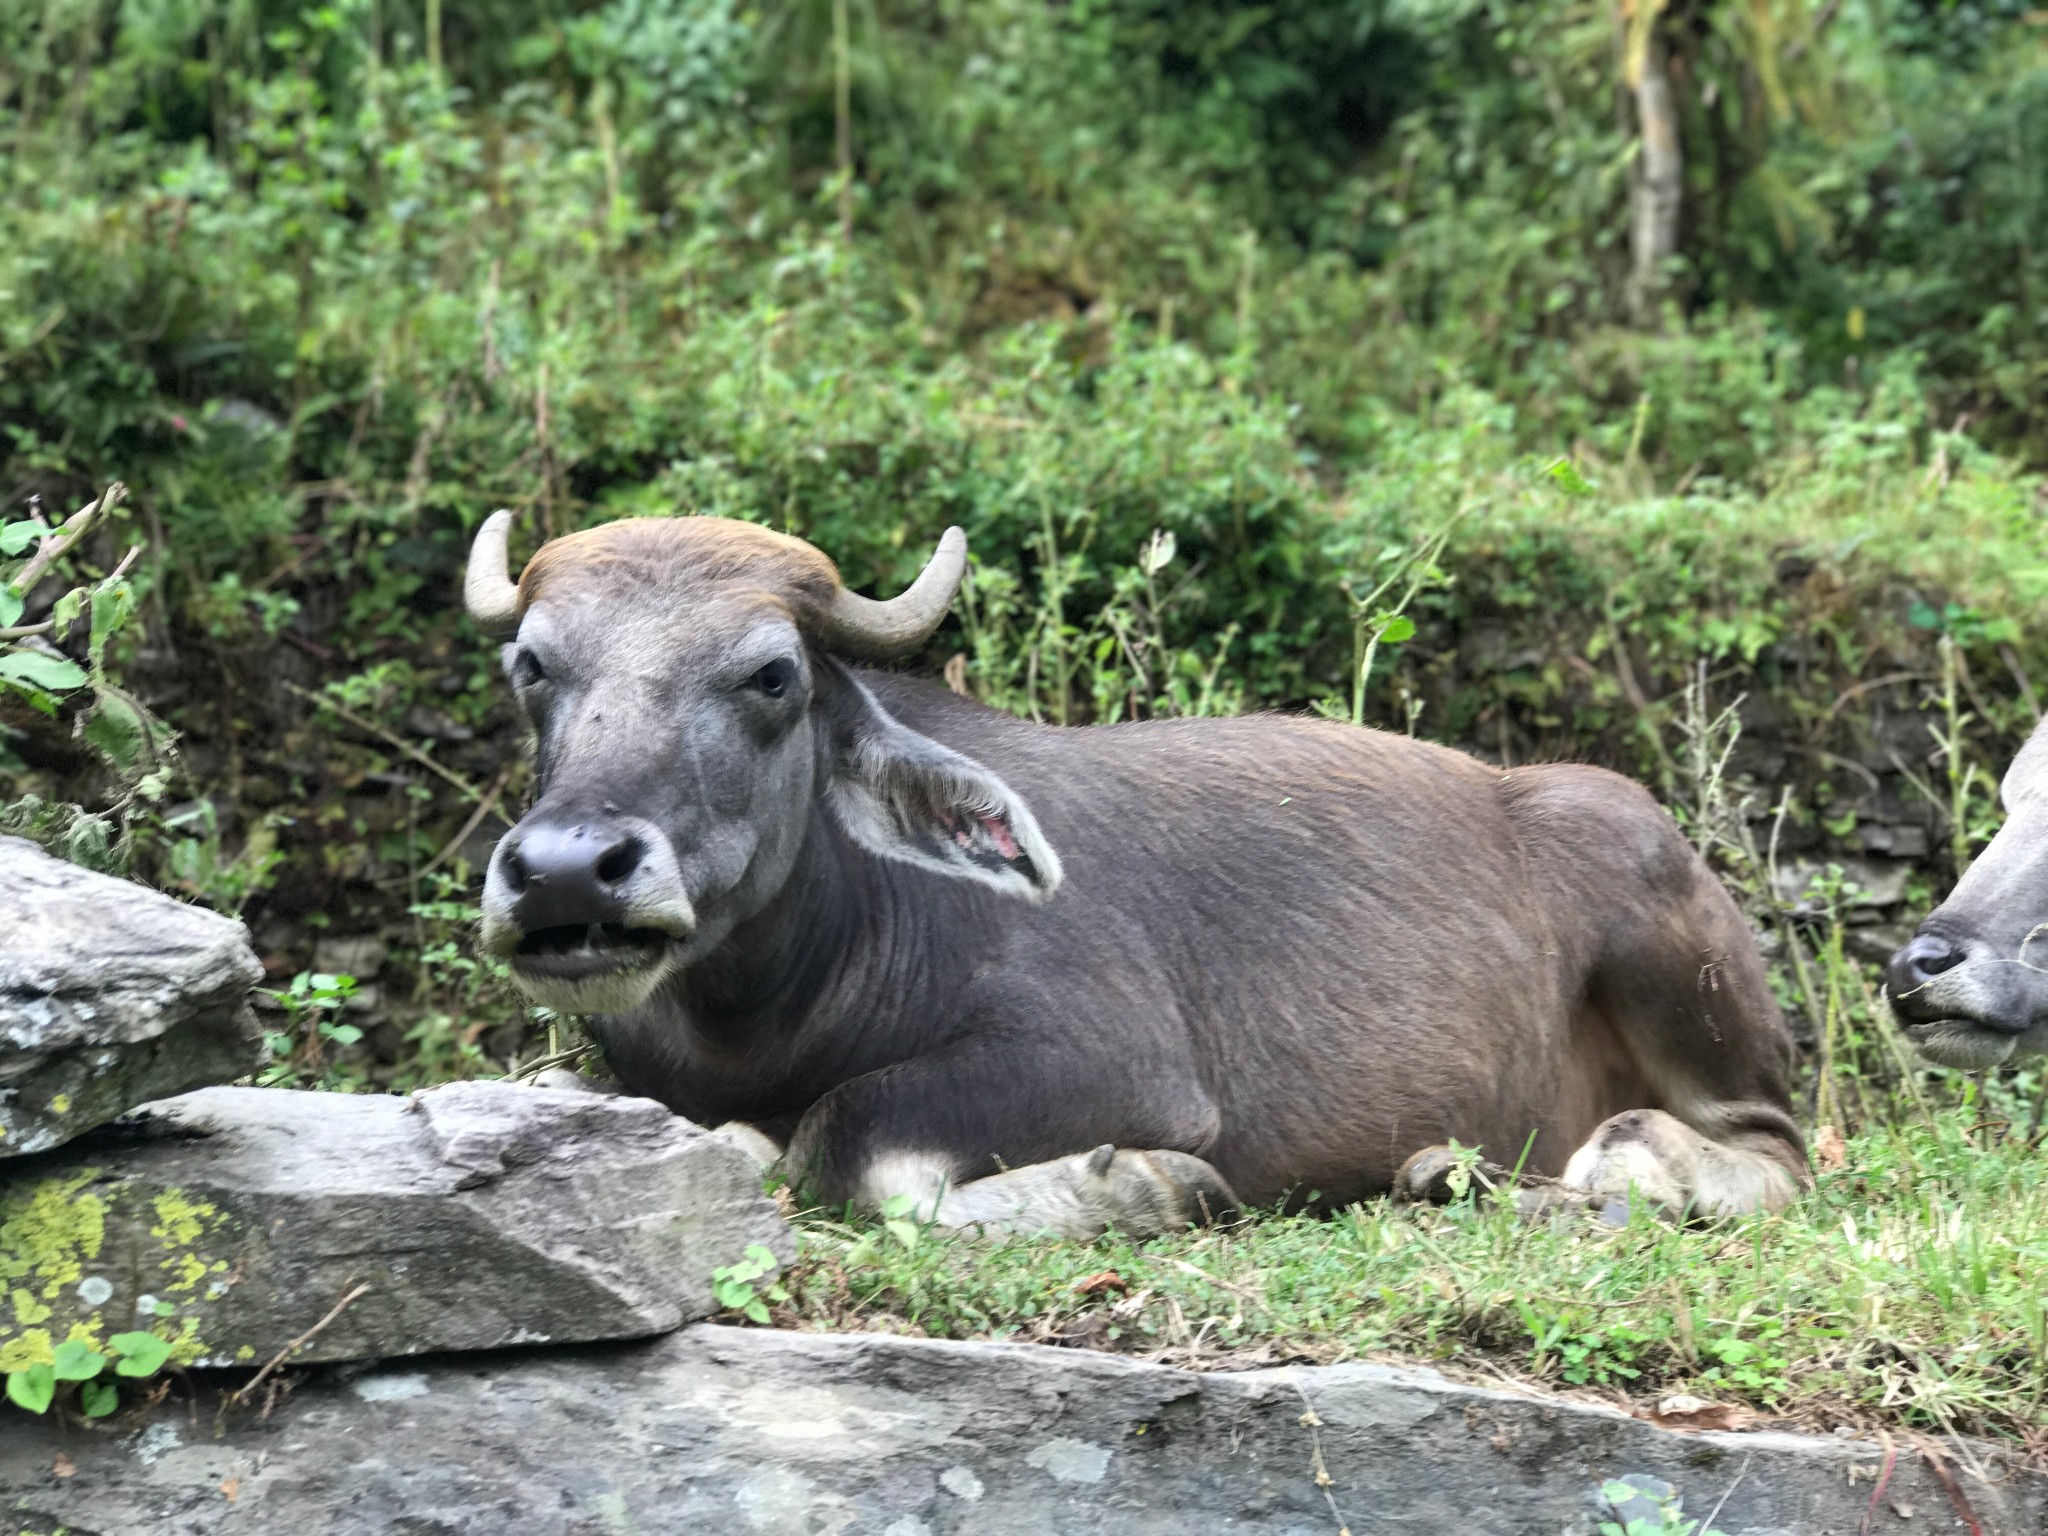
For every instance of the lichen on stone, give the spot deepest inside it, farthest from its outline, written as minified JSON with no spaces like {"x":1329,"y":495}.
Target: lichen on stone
{"x":49,"y":1235}
{"x":52,"y":1234}
{"x":182,"y":1225}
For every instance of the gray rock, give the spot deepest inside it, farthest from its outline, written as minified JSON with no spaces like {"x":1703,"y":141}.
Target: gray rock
{"x":111,"y":994}
{"x":723,"y":1432}
{"x":1898,"y":841}
{"x":361,"y":955}
{"x":1865,"y":882}
{"x":478,"y":1215}
{"x":1874,"y":943}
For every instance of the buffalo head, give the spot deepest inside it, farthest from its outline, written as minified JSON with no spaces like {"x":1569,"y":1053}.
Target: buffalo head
{"x":694,"y":726}
{"x":1971,"y":987}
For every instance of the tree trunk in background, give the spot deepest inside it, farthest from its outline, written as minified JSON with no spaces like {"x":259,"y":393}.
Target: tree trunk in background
{"x":1659,"y":181}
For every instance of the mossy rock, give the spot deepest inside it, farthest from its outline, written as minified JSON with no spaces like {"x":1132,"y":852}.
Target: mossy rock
{"x":230,"y":1221}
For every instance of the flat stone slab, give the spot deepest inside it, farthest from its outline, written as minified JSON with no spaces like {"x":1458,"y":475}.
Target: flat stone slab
{"x":232,"y":1220}
{"x":111,"y":994}
{"x":732,"y":1431}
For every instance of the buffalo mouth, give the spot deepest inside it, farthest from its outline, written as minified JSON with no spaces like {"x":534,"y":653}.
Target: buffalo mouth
{"x":1970,"y":1045}
{"x":583,"y":952}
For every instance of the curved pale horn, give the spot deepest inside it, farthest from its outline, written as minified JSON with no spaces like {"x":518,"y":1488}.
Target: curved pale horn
{"x":860,"y":626}
{"x":488,"y":590}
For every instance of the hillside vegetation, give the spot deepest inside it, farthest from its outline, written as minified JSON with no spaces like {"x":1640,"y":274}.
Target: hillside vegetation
{"x":1345,"y":356}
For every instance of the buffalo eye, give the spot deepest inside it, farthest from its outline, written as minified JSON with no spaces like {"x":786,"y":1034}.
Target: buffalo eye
{"x":775,"y":678}
{"x":527,"y":670}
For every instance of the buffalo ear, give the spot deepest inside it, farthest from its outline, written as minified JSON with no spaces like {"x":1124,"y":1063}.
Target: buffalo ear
{"x":904,"y":796}
{"x":2028,"y":775}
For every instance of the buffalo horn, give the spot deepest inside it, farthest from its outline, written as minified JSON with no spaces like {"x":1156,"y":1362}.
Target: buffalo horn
{"x":488,"y":591}
{"x":861,"y":626}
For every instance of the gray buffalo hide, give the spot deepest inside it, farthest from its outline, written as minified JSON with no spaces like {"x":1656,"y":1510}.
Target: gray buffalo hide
{"x":111,"y":994}
{"x":728,"y":1432}
{"x":476,"y":1214}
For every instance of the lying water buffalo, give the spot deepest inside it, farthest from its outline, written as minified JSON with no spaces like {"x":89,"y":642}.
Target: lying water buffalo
{"x":1970,"y":989}
{"x":933,"y":950}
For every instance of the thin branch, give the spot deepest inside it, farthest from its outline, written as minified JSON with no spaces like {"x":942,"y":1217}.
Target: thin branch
{"x":1884,"y":1481}
{"x":1708,"y":1523}
{"x":76,"y":527}
{"x":574,"y":1056}
{"x":322,"y":701}
{"x":1822,"y":20}
{"x":241,"y":1394}
{"x":127,"y":560}
{"x":24,"y":631}
{"x":488,"y":804}
{"x":1938,"y":1465}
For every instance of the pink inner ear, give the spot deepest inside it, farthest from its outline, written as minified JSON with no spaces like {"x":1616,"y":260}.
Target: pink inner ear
{"x":999,"y":834}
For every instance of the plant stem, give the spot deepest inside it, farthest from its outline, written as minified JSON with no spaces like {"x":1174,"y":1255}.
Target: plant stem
{"x":842,"y":117}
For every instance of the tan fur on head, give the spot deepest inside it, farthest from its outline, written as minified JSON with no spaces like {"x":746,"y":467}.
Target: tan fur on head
{"x":684,"y":556}
{"x":678,"y":555}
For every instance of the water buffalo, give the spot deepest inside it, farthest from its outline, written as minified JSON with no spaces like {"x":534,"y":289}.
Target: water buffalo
{"x":1051,"y":979}
{"x":1970,"y":989}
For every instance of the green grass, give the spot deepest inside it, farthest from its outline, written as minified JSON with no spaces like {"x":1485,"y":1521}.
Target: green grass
{"x":1906,"y":1290}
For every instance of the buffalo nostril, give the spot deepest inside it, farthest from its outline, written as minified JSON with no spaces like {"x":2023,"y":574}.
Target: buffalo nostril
{"x":620,"y":861}
{"x":1925,"y":956}
{"x":1932,"y":956}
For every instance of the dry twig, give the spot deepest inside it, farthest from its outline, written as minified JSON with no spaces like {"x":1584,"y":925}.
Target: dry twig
{"x":242,"y":1394}
{"x":1938,"y":1465}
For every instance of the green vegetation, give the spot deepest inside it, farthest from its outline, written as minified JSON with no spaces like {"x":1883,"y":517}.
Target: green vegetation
{"x":35,"y":1387}
{"x":1907,"y":1288}
{"x":1293,"y":356}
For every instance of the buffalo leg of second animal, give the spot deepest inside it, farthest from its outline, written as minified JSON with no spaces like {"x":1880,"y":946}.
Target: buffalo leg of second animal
{"x":928,"y":1128}
{"x":1139,"y":1193}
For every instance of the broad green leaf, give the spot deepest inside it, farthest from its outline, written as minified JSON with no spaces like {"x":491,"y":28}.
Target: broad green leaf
{"x":32,"y":1388}
{"x":99,"y":1398}
{"x":41,"y":671}
{"x":10,"y":607}
{"x":112,"y":602}
{"x":76,"y":1360}
{"x":116,"y":729}
{"x":16,"y":537}
{"x":142,"y":1354}
{"x":65,"y":611}
{"x":1567,"y":475}
{"x":1398,"y":629}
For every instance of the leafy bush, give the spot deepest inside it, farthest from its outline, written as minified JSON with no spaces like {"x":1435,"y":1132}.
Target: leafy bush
{"x":1200,"y":319}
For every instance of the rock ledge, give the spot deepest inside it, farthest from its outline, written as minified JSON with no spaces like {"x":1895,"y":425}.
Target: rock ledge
{"x":725,"y":1430}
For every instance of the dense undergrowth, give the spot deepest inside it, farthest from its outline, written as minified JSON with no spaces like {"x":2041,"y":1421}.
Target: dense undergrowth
{"x":1222,"y":331}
